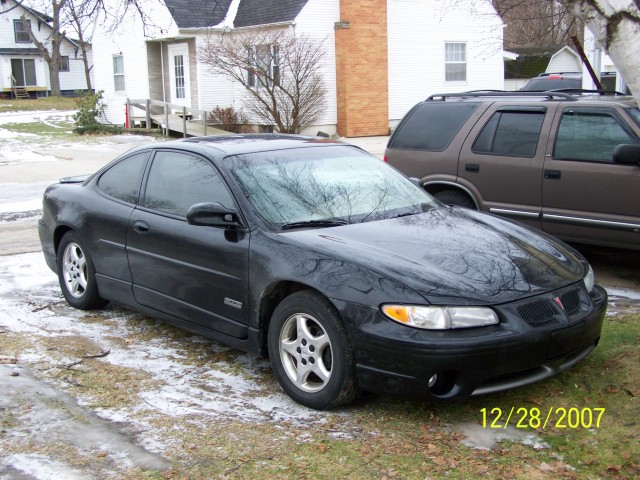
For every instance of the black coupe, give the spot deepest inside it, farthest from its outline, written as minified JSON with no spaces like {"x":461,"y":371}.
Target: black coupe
{"x":348,"y":275}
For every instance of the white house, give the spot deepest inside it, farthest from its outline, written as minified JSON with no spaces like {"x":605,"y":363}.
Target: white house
{"x":382,"y":56}
{"x":20,"y":62}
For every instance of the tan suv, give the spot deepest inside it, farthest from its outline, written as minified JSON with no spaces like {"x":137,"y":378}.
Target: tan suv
{"x":567,"y":164}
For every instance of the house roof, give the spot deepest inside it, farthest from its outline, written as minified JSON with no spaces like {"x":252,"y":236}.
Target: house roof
{"x":198,"y":13}
{"x":208,"y":13}
{"x":264,"y":12}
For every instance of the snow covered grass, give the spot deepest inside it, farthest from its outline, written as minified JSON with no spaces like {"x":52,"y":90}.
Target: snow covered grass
{"x":211,"y":410}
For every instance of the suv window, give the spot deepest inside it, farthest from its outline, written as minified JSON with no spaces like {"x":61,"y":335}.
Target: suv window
{"x":431,"y":126}
{"x":122,"y":181}
{"x":511,"y":132}
{"x":635,"y":114}
{"x":589,"y":136}
{"x":178,"y":181}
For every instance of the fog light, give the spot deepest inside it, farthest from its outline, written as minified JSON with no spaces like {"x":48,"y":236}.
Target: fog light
{"x":432,"y":381}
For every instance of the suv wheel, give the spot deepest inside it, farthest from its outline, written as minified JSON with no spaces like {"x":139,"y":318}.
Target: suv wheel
{"x":455,"y":197}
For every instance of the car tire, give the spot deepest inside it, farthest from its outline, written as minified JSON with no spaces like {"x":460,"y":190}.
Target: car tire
{"x":76,"y":274}
{"x":310,"y":352}
{"x":456,"y":198}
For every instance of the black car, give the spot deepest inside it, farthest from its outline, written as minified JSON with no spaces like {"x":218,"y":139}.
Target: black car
{"x":346,"y":273}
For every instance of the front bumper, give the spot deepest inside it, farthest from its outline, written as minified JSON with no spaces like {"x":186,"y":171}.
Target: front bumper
{"x":537,"y":338}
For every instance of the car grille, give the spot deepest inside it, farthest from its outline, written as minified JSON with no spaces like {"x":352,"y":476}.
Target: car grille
{"x":536,"y":313}
{"x":571,"y":302}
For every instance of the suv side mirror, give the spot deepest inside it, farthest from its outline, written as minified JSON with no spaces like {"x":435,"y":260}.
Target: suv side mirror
{"x":213,"y":215}
{"x":627,"y":154}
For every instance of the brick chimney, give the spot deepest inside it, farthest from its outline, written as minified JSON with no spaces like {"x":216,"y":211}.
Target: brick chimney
{"x":362,"y":68}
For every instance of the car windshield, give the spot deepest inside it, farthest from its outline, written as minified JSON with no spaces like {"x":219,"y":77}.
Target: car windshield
{"x":635,"y":114}
{"x":325,"y":186}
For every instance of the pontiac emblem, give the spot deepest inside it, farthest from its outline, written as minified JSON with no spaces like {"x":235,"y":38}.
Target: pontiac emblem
{"x":559,"y":302}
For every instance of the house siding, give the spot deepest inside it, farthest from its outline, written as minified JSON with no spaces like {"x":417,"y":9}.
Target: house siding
{"x":418,"y":31}
{"x":70,"y":81}
{"x":564,"y":61}
{"x":317,"y":20}
{"x":128,"y":39}
{"x":215,"y":90}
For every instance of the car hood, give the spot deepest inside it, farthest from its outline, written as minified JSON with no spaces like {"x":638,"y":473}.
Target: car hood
{"x":452,"y":255}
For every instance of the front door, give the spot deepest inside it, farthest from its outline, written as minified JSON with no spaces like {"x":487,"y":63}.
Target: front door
{"x":179,"y":79}
{"x":196,"y":273}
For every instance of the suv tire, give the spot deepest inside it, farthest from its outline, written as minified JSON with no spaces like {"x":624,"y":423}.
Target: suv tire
{"x":455,"y":197}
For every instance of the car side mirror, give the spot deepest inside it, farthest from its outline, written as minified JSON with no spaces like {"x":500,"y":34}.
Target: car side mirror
{"x":627,"y":154}
{"x":213,"y":215}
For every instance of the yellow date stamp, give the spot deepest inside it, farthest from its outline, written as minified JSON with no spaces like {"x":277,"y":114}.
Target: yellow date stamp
{"x":542,"y":418}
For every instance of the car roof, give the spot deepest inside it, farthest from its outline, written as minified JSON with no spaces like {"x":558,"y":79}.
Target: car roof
{"x":248,"y":143}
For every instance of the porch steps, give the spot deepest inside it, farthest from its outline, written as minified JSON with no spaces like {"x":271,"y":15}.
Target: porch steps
{"x":21,"y":93}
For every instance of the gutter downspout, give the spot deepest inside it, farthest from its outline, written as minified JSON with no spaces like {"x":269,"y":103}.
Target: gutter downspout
{"x":164,"y":94}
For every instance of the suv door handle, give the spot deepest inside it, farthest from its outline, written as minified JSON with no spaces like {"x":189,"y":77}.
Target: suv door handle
{"x":472,"y":168}
{"x":552,"y":174}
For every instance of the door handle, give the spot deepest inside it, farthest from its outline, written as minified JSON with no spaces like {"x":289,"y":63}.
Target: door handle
{"x":141,"y":227}
{"x":472,"y":168}
{"x":552,"y":174}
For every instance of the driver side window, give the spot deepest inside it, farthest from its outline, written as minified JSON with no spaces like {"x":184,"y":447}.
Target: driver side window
{"x":178,"y":180}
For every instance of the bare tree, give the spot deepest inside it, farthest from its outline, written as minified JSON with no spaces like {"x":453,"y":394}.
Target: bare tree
{"x":615,"y":25}
{"x":533,"y":23}
{"x":50,"y":47}
{"x":79,"y":15}
{"x":280,"y":71}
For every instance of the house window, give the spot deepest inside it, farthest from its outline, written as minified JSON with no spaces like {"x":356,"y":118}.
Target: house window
{"x":118,"y":73}
{"x":20,"y":31}
{"x":23,"y":72}
{"x":64,"y":64}
{"x":178,"y":61}
{"x":455,"y":62}
{"x":265,"y":66}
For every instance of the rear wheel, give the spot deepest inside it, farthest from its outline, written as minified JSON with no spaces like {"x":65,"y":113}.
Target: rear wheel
{"x":77,"y":275}
{"x":455,"y":197}
{"x":310,"y":352}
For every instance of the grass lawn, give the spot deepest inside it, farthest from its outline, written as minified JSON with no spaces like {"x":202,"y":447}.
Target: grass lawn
{"x":44,"y":103}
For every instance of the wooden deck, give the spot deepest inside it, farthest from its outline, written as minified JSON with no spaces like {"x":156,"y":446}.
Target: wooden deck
{"x":188,"y":121}
{"x":189,"y":128}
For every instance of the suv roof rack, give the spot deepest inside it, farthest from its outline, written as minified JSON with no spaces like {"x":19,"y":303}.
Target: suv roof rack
{"x":501,"y":93}
{"x":585,"y":90}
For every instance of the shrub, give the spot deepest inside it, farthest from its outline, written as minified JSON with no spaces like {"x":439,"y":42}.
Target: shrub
{"x":90,"y":108}
{"x":228,"y":119}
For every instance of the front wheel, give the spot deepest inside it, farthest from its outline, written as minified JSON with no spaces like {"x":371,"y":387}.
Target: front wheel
{"x":310,"y":352}
{"x":77,"y":275}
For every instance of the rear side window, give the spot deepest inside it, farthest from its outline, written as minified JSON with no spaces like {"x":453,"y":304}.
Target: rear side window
{"x":122,"y":181}
{"x":589,"y":136}
{"x":432,"y":125}
{"x":511,"y":133}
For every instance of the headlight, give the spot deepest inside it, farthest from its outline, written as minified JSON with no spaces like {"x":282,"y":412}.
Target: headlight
{"x":440,"y":318}
{"x":589,"y":280}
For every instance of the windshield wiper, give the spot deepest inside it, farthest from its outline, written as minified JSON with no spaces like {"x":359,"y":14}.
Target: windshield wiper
{"x":314,"y":223}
